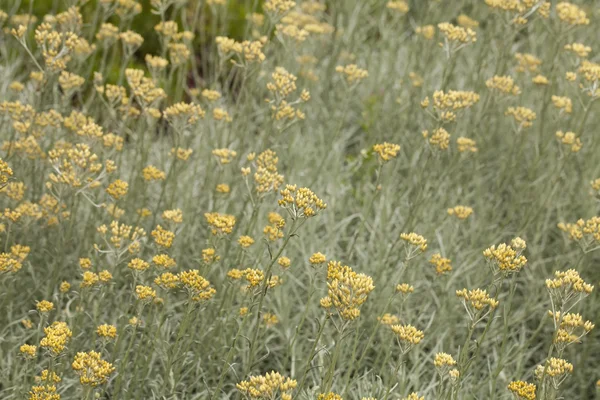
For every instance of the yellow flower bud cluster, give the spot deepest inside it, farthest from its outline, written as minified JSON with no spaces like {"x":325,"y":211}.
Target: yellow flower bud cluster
{"x":266,"y":177}
{"x":459,"y":34}
{"x":476,"y":300}
{"x":220,"y":224}
{"x":571,"y":14}
{"x":57,"y":336}
{"x":585,"y":232}
{"x":198,"y":288}
{"x":522,"y":115}
{"x":347,"y":290}
{"x":415,"y":244}
{"x":352,"y":73}
{"x":523,"y":390}
{"x":386,"y":151}
{"x":442,"y":265}
{"x":408,"y":336}
{"x":506,"y":258}
{"x":570,"y":140}
{"x":91,"y":368}
{"x":503,"y":84}
{"x":567,"y":283}
{"x":301,"y":202}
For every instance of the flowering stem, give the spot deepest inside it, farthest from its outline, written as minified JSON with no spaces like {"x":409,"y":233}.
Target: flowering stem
{"x":182,"y":329}
{"x":328,"y":381}
{"x":396,"y":370}
{"x":312,"y":353}
{"x":227,"y":360}
{"x":367,"y":345}
{"x":263,"y":293}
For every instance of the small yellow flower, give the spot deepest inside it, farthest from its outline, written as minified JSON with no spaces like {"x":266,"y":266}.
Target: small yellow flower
{"x":245,"y":241}
{"x":28,"y":351}
{"x":138,"y":264}
{"x":523,"y":390}
{"x":91,"y":368}
{"x":44,"y":306}
{"x":284,"y":262}
{"x":317,"y":259}
{"x":386,"y":151}
{"x":107,"y":331}
{"x":145,"y":293}
{"x":64,"y":287}
{"x":442,"y":265}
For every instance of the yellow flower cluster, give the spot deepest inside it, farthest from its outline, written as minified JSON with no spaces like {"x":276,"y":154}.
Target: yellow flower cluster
{"x":197,"y":287}
{"x":477,"y":300}
{"x":571,"y":329}
{"x":278,"y":7}
{"x":568,"y":282}
{"x":585,"y":232}
{"x":460,"y":212}
{"x":571,"y":14}
{"x":268,"y":386}
{"x":404,"y":288}
{"x":352,"y":73}
{"x":221,"y":224}
{"x":580,"y":49}
{"x":245,"y":241}
{"x":274,"y":230}
{"x":300,"y":202}
{"x":523,"y":390}
{"x":329,"y":396}
{"x":527,"y":62}
{"x":167,"y":280}
{"x":415,"y":244}
{"x":570,"y":140}
{"x":107,"y":331}
{"x":388,"y":319}
{"x":123,"y":236}
{"x":503,"y":84}
{"x":386,"y":151}
{"x":448,"y":103}
{"x":522,"y":115}
{"x":13,"y":261}
{"x":442,"y":265}
{"x":398,"y":5}
{"x":145,"y":293}
{"x":466,"y":145}
{"x":440,"y":138}
{"x":555,"y":367}
{"x":144,"y":89}
{"x":183,"y":114}
{"x":347,"y":290}
{"x":414,"y":396}
{"x":506,"y":258}
{"x":459,"y":34}
{"x":117,"y":189}
{"x":91,"y":368}
{"x":249,"y":51}
{"x":28,"y":351}
{"x":563,"y":103}
{"x":317,"y":258}
{"x":225,"y":156}
{"x":209,"y":255}
{"x":266,"y":177}
{"x":151,"y":173}
{"x":163,"y":237}
{"x":408,"y":336}
{"x":43,"y":392}
{"x":164,"y":261}
{"x":44,"y":306}
{"x":57,"y":336}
